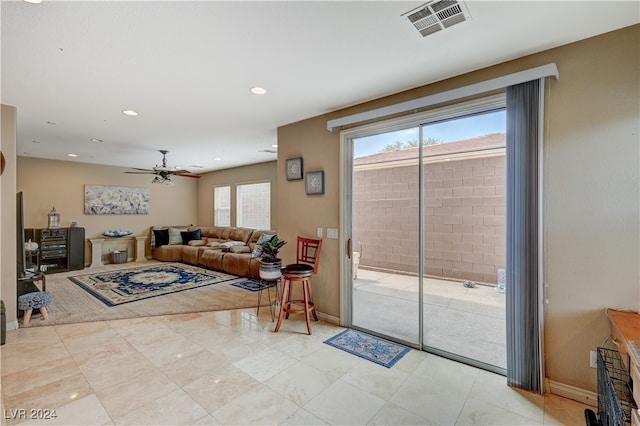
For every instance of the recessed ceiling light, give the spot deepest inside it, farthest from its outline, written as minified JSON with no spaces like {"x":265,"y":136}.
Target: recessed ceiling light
{"x":72,"y":155}
{"x":33,"y":1}
{"x":275,"y":145}
{"x":258,"y":90}
{"x":217,"y":159}
{"x":95,"y":140}
{"x":129,"y":112}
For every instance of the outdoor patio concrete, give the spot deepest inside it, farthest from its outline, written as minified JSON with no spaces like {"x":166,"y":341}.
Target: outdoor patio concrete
{"x":465,"y":321}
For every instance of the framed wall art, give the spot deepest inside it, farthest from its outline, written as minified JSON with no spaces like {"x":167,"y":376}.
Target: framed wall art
{"x":314,"y":182}
{"x":294,"y":168}
{"x":102,"y":199}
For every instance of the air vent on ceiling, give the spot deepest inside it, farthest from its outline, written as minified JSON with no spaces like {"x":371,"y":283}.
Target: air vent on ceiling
{"x":437,"y":15}
{"x":269,"y":151}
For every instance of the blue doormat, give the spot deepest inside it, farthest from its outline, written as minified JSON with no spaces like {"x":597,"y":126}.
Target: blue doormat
{"x":253,"y":285}
{"x":369,"y":347}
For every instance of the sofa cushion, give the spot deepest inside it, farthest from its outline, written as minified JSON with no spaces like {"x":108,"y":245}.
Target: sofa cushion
{"x":229,"y":244}
{"x":214,"y":232}
{"x":168,"y":253}
{"x":240,"y":249}
{"x":197,"y":243}
{"x":190,"y":255}
{"x":188,"y":236}
{"x":240,"y":234}
{"x":212,"y":259}
{"x":175,"y":236}
{"x":161,"y":237}
{"x":236,"y":264}
{"x":225,"y":234}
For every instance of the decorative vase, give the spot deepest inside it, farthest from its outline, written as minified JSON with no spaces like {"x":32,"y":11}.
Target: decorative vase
{"x":270,"y":271}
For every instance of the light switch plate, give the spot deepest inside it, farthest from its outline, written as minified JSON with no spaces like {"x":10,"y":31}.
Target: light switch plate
{"x":319,"y":232}
{"x":332,"y":233}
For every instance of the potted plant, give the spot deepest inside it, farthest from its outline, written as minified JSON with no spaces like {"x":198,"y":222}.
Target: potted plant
{"x":270,"y":263}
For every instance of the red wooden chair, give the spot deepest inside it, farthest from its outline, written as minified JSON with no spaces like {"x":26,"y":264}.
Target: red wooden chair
{"x":307,"y":260}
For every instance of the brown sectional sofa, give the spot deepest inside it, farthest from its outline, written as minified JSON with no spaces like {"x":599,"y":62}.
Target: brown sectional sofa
{"x":225,"y":249}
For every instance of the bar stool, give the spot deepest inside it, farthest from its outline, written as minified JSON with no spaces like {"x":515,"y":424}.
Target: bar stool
{"x":307,"y":259}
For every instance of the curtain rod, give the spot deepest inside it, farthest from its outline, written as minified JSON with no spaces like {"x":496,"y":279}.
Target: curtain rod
{"x":548,"y":70}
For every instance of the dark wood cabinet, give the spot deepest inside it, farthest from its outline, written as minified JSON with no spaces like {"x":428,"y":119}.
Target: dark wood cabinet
{"x":60,"y":249}
{"x":75,"y":253}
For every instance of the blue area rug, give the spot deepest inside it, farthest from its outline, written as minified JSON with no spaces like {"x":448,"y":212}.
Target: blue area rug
{"x":369,"y":347}
{"x":130,"y":285}
{"x":253,"y":285}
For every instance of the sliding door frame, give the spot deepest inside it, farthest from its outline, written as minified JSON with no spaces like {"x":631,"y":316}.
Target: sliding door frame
{"x":347,"y":137}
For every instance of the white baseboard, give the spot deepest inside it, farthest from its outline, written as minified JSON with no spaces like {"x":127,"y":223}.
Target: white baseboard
{"x":13,"y":325}
{"x":328,"y":318}
{"x":574,"y":393}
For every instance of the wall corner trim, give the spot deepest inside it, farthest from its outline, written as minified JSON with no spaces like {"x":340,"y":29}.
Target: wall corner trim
{"x":548,"y":70}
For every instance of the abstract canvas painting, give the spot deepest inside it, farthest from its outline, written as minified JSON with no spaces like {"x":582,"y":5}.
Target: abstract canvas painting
{"x":102,"y":199}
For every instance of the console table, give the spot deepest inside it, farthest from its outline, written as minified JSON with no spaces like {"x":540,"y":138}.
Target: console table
{"x":97,"y":243}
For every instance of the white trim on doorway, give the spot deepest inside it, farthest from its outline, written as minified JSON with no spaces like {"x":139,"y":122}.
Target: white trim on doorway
{"x":548,"y":70}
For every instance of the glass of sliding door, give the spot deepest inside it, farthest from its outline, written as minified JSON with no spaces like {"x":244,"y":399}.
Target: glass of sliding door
{"x":384,"y":239}
{"x":464,"y":238}
{"x":427,"y":228}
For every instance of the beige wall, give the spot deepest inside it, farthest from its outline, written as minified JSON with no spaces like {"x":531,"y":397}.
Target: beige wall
{"x":49,"y":183}
{"x":300,"y":214}
{"x":8,"y":259}
{"x":591,"y":192}
{"x":248,"y":174}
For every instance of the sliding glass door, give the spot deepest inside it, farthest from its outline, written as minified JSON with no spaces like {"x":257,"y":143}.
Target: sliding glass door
{"x":385,"y":228}
{"x":464,"y":238}
{"x":426,"y":220}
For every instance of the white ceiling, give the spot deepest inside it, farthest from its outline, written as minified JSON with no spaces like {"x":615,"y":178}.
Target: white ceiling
{"x":187,"y":68}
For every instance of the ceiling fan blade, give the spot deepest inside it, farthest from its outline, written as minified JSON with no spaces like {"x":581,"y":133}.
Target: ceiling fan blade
{"x":188,"y":174}
{"x":164,"y":171}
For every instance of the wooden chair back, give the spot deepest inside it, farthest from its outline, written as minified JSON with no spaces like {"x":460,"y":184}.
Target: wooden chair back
{"x":308,"y":252}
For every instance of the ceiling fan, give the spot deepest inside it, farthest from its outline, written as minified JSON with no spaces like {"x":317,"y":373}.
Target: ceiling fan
{"x":163,"y":173}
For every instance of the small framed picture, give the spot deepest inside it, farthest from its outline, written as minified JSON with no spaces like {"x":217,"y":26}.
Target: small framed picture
{"x":294,"y":168}
{"x":314,"y":182}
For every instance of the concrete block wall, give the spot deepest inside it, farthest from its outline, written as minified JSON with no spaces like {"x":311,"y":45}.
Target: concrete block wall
{"x":464,"y":218}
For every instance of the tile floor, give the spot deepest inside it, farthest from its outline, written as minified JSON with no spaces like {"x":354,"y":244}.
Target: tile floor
{"x":229,"y":367}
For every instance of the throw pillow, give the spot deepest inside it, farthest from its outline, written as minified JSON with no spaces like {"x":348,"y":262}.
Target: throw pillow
{"x":257,"y":250}
{"x":175,"y":236}
{"x":230,"y":244}
{"x":161,"y":237}
{"x":189,"y":235}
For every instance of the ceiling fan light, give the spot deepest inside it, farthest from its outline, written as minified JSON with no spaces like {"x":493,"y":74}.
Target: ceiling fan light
{"x":157,"y":179}
{"x":168,"y":182}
